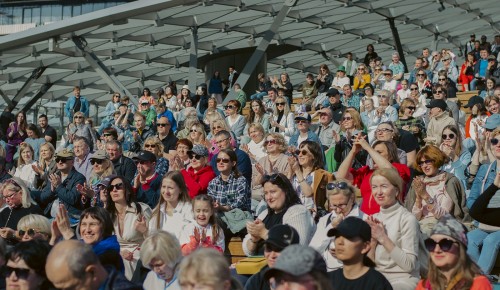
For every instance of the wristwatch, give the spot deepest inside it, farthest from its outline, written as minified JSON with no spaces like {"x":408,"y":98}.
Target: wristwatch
{"x":430,"y":201}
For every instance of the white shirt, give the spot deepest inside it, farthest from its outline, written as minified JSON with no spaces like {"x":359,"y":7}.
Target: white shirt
{"x":182,"y":215}
{"x":27,"y":174}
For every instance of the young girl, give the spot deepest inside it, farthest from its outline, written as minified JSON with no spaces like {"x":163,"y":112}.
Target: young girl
{"x":403,"y":93}
{"x":204,"y":232}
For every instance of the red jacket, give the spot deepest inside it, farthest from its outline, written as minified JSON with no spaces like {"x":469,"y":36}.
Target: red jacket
{"x":197,"y":183}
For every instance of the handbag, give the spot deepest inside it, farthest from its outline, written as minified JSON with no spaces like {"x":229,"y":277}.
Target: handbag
{"x":251,"y":265}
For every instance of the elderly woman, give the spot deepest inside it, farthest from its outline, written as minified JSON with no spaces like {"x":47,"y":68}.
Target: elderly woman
{"x":188,"y":123}
{"x":369,"y":117}
{"x":79,"y":128}
{"x":283,"y":120}
{"x":199,"y":173}
{"x":25,"y":268}
{"x":155,"y":146}
{"x":181,"y":159}
{"x":404,"y":140}
{"x":161,"y":253}
{"x":234,"y":120}
{"x":255,"y":148}
{"x":409,"y":123}
{"x":283,"y":207}
{"x":19,"y":204}
{"x":130,"y":222}
{"x":101,"y":167}
{"x":341,"y":203}
{"x":215,"y":127}
{"x":25,"y":164}
{"x":395,"y":232}
{"x":33,"y":226}
{"x":174,"y":209}
{"x":437,"y":192}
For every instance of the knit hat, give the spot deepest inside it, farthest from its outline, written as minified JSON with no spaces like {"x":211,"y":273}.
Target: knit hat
{"x":297,"y":260}
{"x":449,"y":226}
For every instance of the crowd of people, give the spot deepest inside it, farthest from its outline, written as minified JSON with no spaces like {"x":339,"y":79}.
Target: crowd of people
{"x":363,"y":178}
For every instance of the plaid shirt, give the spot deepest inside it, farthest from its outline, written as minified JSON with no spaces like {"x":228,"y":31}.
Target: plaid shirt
{"x":354,"y":101}
{"x":235,"y":192}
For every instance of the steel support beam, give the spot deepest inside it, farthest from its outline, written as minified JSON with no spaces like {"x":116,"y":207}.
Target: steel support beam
{"x":262,"y":47}
{"x":100,"y":68}
{"x":43,"y":89}
{"x":37,"y":72}
{"x":193,"y":59}
{"x":397,"y":41}
{"x":6,"y":99}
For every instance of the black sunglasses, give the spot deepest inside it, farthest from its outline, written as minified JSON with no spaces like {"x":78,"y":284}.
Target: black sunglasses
{"x":445,"y":244}
{"x":60,"y":159}
{"x":413,"y":89}
{"x":420,"y":75}
{"x":118,"y":186}
{"x":411,"y":108}
{"x":162,"y":124}
{"x":280,"y":104}
{"x":445,"y":136}
{"x":229,"y":107}
{"x":20,"y":272}
{"x":427,"y":161}
{"x":94,"y":161}
{"x":191,"y":154}
{"x":494,"y":141}
{"x":339,"y":185}
{"x":30,"y":232}
{"x":223,"y":160}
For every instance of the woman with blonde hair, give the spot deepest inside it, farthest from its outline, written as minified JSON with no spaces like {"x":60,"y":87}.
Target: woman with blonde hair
{"x":46,"y":165}
{"x":161,"y":253}
{"x":350,"y":126}
{"x":188,"y":123}
{"x":25,"y":163}
{"x":80,"y":128}
{"x":255,"y":148}
{"x":155,"y":146}
{"x":197,"y":135}
{"x":215,"y":127}
{"x":33,"y":226}
{"x":206,"y":269}
{"x":283,"y":120}
{"x":409,"y":123}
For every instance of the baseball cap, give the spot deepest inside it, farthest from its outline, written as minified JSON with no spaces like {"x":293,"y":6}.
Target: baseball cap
{"x":332,"y":92}
{"x":341,"y":68}
{"x":199,"y":150}
{"x":447,"y":225}
{"x":65,"y":153}
{"x":352,"y":227}
{"x":297,"y":260}
{"x":303,"y":116}
{"x":492,"y":122}
{"x":99,"y":154}
{"x":474,"y":100}
{"x":437,"y":104}
{"x":492,"y":57}
{"x":282,"y":236}
{"x":145,"y":156}
{"x":107,"y":180}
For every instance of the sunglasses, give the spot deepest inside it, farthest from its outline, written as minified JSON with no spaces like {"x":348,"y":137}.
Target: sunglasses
{"x":216,"y":127}
{"x":94,"y":161}
{"x":494,"y":141}
{"x":300,"y":122}
{"x":142,"y":162}
{"x":193,"y":131}
{"x":30,"y":232}
{"x":229,"y":107}
{"x":162,"y":124}
{"x":20,"y":272}
{"x":106,"y":135}
{"x":280,"y":104}
{"x":339,"y":185}
{"x":445,"y":244}
{"x":388,"y":74}
{"x":411,"y":108}
{"x":441,"y":79}
{"x":446,"y":59}
{"x":149,"y":145}
{"x":191,"y":154}
{"x":303,"y":152}
{"x":270,"y":142}
{"x":382,"y":96}
{"x":413,"y":89}
{"x":420,"y":75}
{"x":347,"y":119}
{"x":437,"y":92}
{"x":427,"y":162}
{"x":59,"y":159}
{"x":78,"y":117}
{"x":445,"y":136}
{"x":223,"y":160}
{"x":117,"y":186}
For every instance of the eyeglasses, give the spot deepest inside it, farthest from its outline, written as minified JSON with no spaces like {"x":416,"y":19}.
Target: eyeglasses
{"x":117,"y":186}
{"x":300,"y":121}
{"x":494,"y":141}
{"x":339,"y":185}
{"x":221,"y":141}
{"x":94,"y":161}
{"x":216,"y":127}
{"x":193,"y":131}
{"x":30,"y":232}
{"x":145,"y":104}
{"x":78,"y":117}
{"x":280,"y":104}
{"x":270,"y":142}
{"x":106,"y":134}
{"x":162,"y":124}
{"x":142,"y":162}
{"x":339,"y":206}
{"x":192,"y":155}
{"x":21,"y":273}
{"x":303,"y":152}
{"x":411,"y":108}
{"x":361,"y":69}
{"x":441,"y":79}
{"x":445,"y":244}
{"x":413,"y":89}
{"x":384,"y":130}
{"x":446,"y":59}
{"x":230,"y":107}
{"x":60,"y":159}
{"x":420,"y":75}
{"x":10,"y":195}
{"x":347,"y":119}
{"x":149,"y":145}
{"x":437,"y":92}
{"x":426,"y":162}
{"x":388,"y":74}
{"x":445,"y":136}
{"x":223,"y":160}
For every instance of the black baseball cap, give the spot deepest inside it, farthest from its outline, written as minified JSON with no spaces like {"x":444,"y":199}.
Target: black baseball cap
{"x":145,"y":156}
{"x":436,"y":103}
{"x":473,"y":101}
{"x":352,"y":227}
{"x":282,"y":236}
{"x":332,"y":92}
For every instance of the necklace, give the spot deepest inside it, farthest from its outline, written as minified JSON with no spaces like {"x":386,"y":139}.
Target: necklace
{"x":11,"y":209}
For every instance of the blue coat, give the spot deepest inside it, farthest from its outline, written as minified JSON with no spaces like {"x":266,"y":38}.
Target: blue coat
{"x":67,"y":194}
{"x":152,"y":195}
{"x":311,"y":136}
{"x":170,"y":116}
{"x":84,"y":108}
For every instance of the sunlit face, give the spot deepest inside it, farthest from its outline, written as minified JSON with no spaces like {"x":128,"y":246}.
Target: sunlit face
{"x":428,"y":168}
{"x":117,"y":192}
{"x":78,"y":119}
{"x":99,"y":165}
{"x":255,"y":134}
{"x":305,"y":157}
{"x":139,"y":122}
{"x":368,"y":105}
{"x":325,"y":118}
{"x":151,"y":147}
{"x":42,"y":122}
{"x":493,"y":107}
{"x":12,"y":198}
{"x":195,"y":133}
{"x":113,"y":151}
{"x":383,"y":191}
{"x":182,"y":150}
{"x":347,"y":91}
{"x":418,"y":63}
{"x":283,"y":78}
{"x":223,"y":142}
{"x":27,"y":155}
{"x":384,"y":132}
{"x":271,"y":145}
{"x":146,"y":166}
{"x":216,"y":128}
{"x":484,"y":54}
{"x":340,"y":203}
{"x":445,"y":260}
{"x":202,"y":212}
{"x":224,"y":163}
{"x":212,"y":103}
{"x":449,"y":138}
{"x":274,"y":196}
{"x":45,"y":153}
{"x":31,"y":282}
{"x":169,"y":190}
{"x":28,"y":234}
{"x":198,"y":164}
{"x":162,"y":270}
{"x":347,"y":121}
{"x":255,"y":107}
{"x":91,"y":230}
{"x":80,"y":149}
{"x":280,"y":104}
{"x":490,"y":84}
{"x":395,"y":58}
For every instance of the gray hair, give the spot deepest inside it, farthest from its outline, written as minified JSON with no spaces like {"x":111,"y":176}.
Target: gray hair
{"x":79,"y":259}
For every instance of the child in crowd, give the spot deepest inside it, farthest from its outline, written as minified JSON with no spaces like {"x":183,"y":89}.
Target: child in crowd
{"x":204,"y":232}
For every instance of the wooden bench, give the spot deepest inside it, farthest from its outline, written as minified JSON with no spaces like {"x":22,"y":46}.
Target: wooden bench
{"x":236,"y":250}
{"x":463,"y":99}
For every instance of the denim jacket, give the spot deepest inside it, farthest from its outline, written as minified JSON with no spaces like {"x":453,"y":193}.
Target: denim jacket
{"x":84,"y":108}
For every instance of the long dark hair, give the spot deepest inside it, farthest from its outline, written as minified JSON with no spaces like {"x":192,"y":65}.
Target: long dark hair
{"x":262,"y":111}
{"x":315,"y":148}
{"x":281,"y":181}
{"x":129,"y":198}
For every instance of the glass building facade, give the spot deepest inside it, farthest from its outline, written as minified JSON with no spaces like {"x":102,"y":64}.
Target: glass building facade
{"x":43,"y":12}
